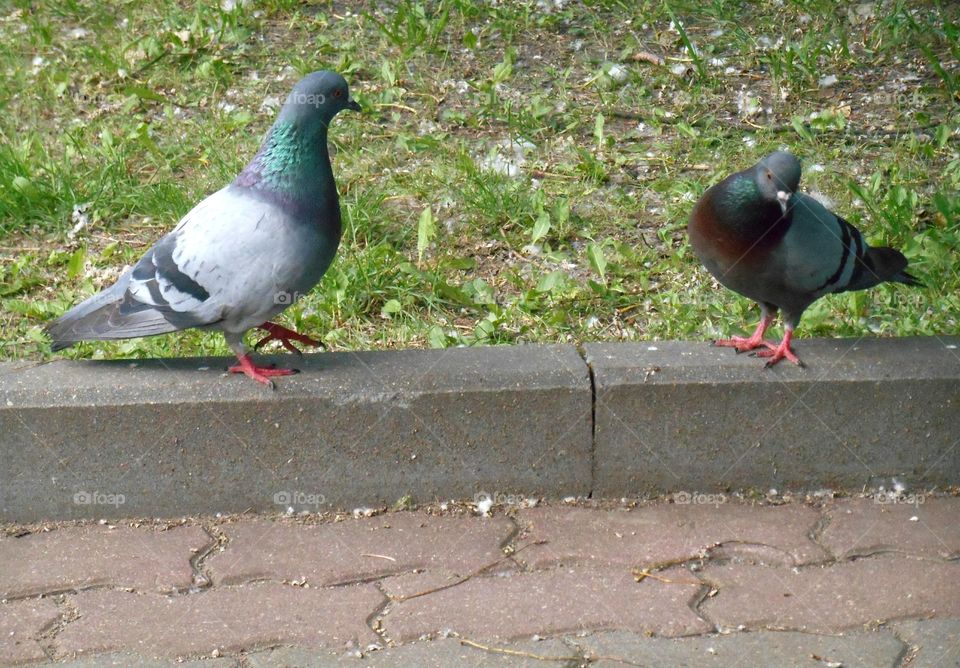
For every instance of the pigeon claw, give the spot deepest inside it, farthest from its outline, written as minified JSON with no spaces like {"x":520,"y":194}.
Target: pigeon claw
{"x":286,"y":337}
{"x":261,"y":374}
{"x":755,"y":340}
{"x":777,"y":353}
{"x":742,"y":344}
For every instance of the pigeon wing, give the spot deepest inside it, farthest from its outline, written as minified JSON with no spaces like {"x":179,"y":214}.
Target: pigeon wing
{"x":191,"y":277}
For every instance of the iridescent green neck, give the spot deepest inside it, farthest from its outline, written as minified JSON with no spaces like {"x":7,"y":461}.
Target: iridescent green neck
{"x":743,"y":192}
{"x":294,"y":164}
{"x":740,"y":206}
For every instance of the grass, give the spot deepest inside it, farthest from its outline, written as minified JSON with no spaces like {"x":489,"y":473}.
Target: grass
{"x":524,"y":171}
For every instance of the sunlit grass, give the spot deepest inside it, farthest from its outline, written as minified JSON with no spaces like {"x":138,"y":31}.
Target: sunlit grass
{"x":557,"y":160}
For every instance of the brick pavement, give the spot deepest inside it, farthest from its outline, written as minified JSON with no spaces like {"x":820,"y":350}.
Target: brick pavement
{"x":846,"y":582}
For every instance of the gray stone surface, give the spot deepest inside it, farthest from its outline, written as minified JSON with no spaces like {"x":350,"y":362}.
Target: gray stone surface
{"x":445,"y":653}
{"x":736,"y":650}
{"x":687,"y":416}
{"x":934,"y":643}
{"x":172,"y":437}
{"x":166,"y":438}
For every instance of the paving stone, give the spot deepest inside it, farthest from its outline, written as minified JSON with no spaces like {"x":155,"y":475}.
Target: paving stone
{"x":522,"y":605}
{"x":444,"y":653}
{"x":358,"y":549}
{"x":738,"y":650}
{"x":665,"y":532}
{"x":79,"y":557}
{"x":934,"y":643}
{"x":20,"y":623}
{"x":180,"y":436}
{"x":224,"y":619}
{"x":831,"y":598}
{"x":299,"y":657}
{"x":930,"y":527}
{"x":413,"y":585}
{"x":677,"y":415}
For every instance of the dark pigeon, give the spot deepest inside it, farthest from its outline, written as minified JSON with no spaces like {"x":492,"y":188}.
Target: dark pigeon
{"x":762,"y":238}
{"x":243,"y":254}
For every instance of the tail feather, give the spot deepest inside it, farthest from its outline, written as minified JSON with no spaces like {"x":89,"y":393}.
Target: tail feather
{"x":106,"y":324}
{"x":100,"y":318}
{"x":879,"y":265}
{"x":907,"y":279}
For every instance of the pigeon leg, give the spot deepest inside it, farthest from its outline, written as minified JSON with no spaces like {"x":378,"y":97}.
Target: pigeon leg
{"x":742,"y":345}
{"x":782,"y":351}
{"x":280,"y":333}
{"x":261,"y":374}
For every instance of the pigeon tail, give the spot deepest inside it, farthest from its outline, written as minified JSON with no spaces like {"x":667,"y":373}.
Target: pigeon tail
{"x":106,"y":316}
{"x":881,"y":265}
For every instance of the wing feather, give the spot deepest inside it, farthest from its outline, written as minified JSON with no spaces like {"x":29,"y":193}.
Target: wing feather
{"x":195,"y":276}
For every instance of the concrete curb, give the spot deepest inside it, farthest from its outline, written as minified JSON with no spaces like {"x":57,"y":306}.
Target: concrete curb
{"x":173,"y":437}
{"x":676,"y":416}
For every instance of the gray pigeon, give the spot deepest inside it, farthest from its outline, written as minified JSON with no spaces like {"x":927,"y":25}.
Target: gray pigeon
{"x":760,"y":237}
{"x":243,"y":254}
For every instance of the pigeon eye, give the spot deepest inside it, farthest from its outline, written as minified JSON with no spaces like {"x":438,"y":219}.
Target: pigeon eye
{"x":337,"y":93}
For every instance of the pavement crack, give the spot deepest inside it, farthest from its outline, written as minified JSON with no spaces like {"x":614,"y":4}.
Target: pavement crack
{"x":572,"y":660}
{"x":692,"y":565}
{"x":819,"y":528}
{"x":696,"y":601}
{"x":506,"y":545}
{"x":47,"y":636}
{"x":365,"y":579}
{"x":201,"y":578}
{"x":469,"y":576}
{"x":593,"y":421}
{"x":375,"y":619}
{"x":107,"y":586}
{"x":586,"y":658}
{"x":908,"y":653}
{"x":727,"y":551}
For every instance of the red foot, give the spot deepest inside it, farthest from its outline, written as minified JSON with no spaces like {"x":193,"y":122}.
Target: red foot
{"x":260,"y":374}
{"x":742,"y":345}
{"x":782,"y":351}
{"x":280,"y":333}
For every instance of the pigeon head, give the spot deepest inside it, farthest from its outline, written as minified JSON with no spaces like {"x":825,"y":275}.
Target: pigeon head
{"x":778,"y":177}
{"x":316,"y":99}
{"x":293,"y":162}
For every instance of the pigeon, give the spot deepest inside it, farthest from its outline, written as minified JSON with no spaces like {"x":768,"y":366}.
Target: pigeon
{"x":243,"y":254}
{"x":783,"y":249}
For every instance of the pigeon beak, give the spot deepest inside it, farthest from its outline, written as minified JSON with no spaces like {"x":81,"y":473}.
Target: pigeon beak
{"x":783,"y":197}
{"x":352,"y":104}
